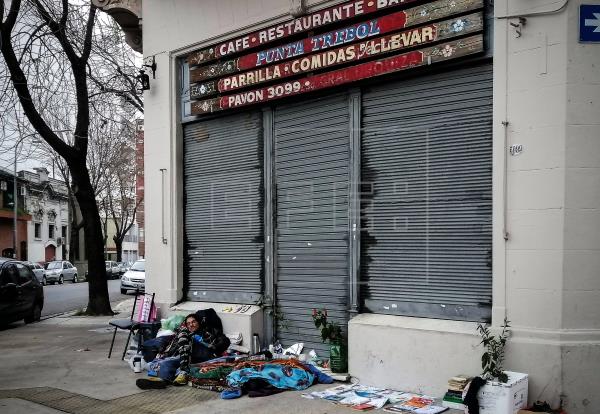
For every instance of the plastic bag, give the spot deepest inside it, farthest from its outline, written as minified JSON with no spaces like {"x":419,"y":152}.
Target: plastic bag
{"x":173,"y":322}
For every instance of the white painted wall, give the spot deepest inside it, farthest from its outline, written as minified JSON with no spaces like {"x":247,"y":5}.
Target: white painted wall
{"x":545,"y":276}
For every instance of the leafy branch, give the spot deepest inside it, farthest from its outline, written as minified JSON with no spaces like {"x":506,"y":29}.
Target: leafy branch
{"x":493,"y":355}
{"x":330,"y":331}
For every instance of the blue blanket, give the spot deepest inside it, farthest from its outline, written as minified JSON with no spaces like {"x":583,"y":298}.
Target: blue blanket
{"x":280,"y":376}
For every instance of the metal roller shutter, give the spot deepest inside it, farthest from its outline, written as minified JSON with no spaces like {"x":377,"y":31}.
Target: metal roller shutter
{"x":426,"y":210}
{"x":311,"y":176}
{"x":223,"y":209}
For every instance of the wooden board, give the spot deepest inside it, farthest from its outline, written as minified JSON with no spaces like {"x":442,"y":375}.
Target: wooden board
{"x":420,"y":57}
{"x":364,"y":50}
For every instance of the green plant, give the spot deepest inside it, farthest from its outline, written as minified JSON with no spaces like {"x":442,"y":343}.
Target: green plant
{"x":280,"y":318}
{"x":276,"y":313}
{"x":493,"y":355}
{"x":330,"y":331}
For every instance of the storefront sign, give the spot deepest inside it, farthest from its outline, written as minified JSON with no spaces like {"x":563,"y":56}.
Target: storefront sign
{"x":355,"y":52}
{"x":356,"y":32}
{"x":331,"y":15}
{"x":421,"y":57}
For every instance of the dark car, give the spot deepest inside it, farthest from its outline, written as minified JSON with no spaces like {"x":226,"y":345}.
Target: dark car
{"x":21,"y":295}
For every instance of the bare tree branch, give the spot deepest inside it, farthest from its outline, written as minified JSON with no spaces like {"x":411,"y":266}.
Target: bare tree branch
{"x":49,"y":49}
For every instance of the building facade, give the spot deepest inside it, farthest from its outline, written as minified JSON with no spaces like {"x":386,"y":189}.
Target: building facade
{"x":416,"y":168}
{"x":129,"y":248}
{"x":48,"y":231}
{"x":7,"y":217}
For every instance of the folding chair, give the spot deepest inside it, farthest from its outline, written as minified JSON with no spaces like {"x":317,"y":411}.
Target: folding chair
{"x":145,"y":321}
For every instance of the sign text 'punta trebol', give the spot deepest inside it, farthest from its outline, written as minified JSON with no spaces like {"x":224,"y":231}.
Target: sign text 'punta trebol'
{"x":302,"y":24}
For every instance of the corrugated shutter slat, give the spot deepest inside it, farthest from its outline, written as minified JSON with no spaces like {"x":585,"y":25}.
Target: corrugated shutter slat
{"x":311,"y":175}
{"x":427,"y":196}
{"x":223,"y":209}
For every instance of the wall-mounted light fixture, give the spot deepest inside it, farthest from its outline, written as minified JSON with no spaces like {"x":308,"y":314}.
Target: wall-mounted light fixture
{"x":144,"y":78}
{"x":152,"y":67}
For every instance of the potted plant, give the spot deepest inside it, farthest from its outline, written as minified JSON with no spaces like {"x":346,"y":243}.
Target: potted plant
{"x":493,"y":354}
{"x":504,"y":391}
{"x":332,"y":332}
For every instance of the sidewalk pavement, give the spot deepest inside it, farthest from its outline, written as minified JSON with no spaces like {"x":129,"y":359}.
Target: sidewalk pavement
{"x":69,"y":353}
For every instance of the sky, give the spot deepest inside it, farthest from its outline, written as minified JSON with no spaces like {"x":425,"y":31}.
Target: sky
{"x":28,"y":156}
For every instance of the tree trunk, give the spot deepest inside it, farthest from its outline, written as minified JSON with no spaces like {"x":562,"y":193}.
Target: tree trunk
{"x":75,"y":227}
{"x":74,"y":243}
{"x":119,"y":246}
{"x":98,"y":299}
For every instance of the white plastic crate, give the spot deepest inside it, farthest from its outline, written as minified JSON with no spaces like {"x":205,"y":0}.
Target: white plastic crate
{"x":504,"y":398}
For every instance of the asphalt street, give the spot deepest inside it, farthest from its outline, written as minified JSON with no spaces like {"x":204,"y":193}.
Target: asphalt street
{"x":72,"y":296}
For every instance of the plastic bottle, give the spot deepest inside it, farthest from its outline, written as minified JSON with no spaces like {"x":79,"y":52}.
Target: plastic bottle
{"x":137,"y":364}
{"x":255,"y":343}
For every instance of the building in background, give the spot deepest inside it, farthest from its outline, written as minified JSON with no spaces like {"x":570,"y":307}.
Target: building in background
{"x":131,"y":245}
{"x":7,"y":216}
{"x":129,"y":251}
{"x":47,"y":202}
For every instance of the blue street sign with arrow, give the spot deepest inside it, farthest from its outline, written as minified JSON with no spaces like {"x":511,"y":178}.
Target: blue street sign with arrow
{"x":589,"y":23}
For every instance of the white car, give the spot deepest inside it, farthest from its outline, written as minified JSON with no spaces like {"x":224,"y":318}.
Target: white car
{"x":37,"y":270}
{"x":112,"y":269}
{"x":123,"y":267}
{"x":134,"y":278}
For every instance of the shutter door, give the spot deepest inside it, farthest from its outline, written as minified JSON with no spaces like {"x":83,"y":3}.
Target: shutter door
{"x":311,"y":176}
{"x":223,"y":209}
{"x":427,"y":196}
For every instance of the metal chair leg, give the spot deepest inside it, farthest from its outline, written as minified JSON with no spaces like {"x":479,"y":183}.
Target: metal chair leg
{"x":126,"y":345}
{"x":112,"y":342}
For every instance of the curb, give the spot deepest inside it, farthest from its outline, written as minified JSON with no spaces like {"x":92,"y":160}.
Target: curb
{"x":113,"y":305}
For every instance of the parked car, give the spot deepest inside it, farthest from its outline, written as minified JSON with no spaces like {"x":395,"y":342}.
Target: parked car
{"x":59,"y":271}
{"x":123,"y":267}
{"x":37,"y":270}
{"x":21,"y":295}
{"x":112,"y":270}
{"x":134,"y":278}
